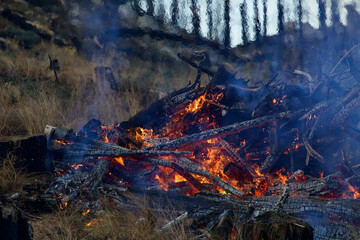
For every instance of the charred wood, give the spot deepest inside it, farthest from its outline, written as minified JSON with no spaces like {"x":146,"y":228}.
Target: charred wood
{"x":311,"y":152}
{"x":199,"y":171}
{"x":237,"y":157}
{"x":223,"y":131}
{"x":76,"y":145}
{"x":69,"y":186}
{"x":159,"y":112}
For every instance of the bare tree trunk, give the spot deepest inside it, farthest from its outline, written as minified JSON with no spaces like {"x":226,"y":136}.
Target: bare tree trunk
{"x":195,"y":18}
{"x":227,"y":39}
{"x":150,"y":7}
{"x":244,"y":24}
{"x":210,"y":18}
{"x":300,"y":15}
{"x":280,"y":16}
{"x":174,"y":12}
{"x":335,"y":12}
{"x":280,"y":46}
{"x":265,"y":17}
{"x":300,"y":26}
{"x":256,"y":21}
{"x":322,"y":14}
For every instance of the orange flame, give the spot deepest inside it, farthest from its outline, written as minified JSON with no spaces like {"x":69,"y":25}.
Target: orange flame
{"x":93,"y":221}
{"x":119,"y":160}
{"x":85,"y":213}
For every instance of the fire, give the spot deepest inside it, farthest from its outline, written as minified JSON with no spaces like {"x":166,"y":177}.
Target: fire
{"x":77,"y":166}
{"x":164,"y":184}
{"x":119,"y":160}
{"x":282,"y":178}
{"x":212,"y":155}
{"x":63,"y":142}
{"x":178,"y":178}
{"x":196,"y":105}
{"x":86,"y":212}
{"x":354,"y":191}
{"x":63,"y":206}
{"x":93,"y":221}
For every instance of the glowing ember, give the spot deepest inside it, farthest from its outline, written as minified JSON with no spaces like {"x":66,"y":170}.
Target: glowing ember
{"x":119,"y":160}
{"x":63,"y":142}
{"x":76,"y":166}
{"x":85,"y":213}
{"x":354,"y":192}
{"x":93,"y":221}
{"x":63,"y":206}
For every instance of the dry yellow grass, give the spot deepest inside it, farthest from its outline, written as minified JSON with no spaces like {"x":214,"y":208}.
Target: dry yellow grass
{"x":11,"y":179}
{"x":111,"y":223}
{"x":30,"y":98}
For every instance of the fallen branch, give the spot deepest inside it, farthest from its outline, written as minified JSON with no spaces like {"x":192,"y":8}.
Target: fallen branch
{"x":347,"y":53}
{"x":223,"y":131}
{"x":71,"y":185}
{"x":239,"y":159}
{"x":311,"y":152}
{"x":198,"y":171}
{"x":197,"y":66}
{"x":75,"y":146}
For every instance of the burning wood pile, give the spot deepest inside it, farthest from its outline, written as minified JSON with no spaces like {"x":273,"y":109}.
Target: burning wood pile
{"x":235,"y":150}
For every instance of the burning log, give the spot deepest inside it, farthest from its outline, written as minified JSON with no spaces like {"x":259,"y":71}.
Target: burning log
{"x":223,"y":131}
{"x":327,"y":188}
{"x":239,"y":159}
{"x":268,"y":163}
{"x":199,"y":171}
{"x":69,"y":186}
{"x":87,"y":147}
{"x":193,"y":181}
{"x":93,"y":150}
{"x":192,"y":121}
{"x":233,"y":171}
{"x":159,"y":112}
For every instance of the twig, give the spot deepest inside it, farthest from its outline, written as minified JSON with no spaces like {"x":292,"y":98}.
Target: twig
{"x":344,"y":57}
{"x":27,"y":214}
{"x":320,"y":106}
{"x":197,"y":66}
{"x":348,"y":164}
{"x":311,"y":152}
{"x":176,"y":221}
{"x":307,"y":75}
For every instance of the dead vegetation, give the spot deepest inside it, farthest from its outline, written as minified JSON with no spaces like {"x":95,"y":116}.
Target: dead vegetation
{"x":30,"y":98}
{"x":110,"y":223}
{"x":11,"y":179}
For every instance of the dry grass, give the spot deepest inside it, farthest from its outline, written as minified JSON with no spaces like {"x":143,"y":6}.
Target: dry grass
{"x":11,"y":179}
{"x":30,"y":98}
{"x":111,"y":223}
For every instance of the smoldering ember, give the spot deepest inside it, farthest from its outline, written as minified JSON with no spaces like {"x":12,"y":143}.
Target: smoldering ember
{"x":179,"y":119}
